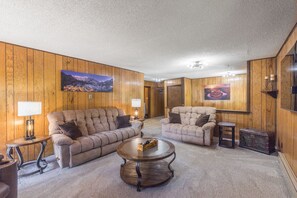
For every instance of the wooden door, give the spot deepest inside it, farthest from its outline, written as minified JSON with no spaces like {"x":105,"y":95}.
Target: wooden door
{"x":159,"y":102}
{"x":174,"y":96}
{"x":147,"y":100}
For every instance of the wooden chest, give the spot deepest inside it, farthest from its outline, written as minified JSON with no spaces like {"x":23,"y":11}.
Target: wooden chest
{"x":257,"y":140}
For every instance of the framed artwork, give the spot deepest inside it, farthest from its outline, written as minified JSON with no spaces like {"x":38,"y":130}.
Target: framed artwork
{"x":217,"y":92}
{"x":83,"y":82}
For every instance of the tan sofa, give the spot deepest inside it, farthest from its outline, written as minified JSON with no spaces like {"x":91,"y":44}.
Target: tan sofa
{"x":100,"y":135}
{"x":187,"y":131}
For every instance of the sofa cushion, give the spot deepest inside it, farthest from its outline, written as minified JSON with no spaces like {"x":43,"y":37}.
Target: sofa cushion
{"x":100,"y":122}
{"x":206,"y":110}
{"x":192,"y":131}
{"x":86,"y":143}
{"x":118,"y":133}
{"x":81,"y":122}
{"x":189,"y":115}
{"x":82,"y":144}
{"x":103,"y":137}
{"x":69,"y":115}
{"x":182,"y":109}
{"x":96,"y":121}
{"x":71,"y":130}
{"x":97,"y":142}
{"x":174,"y":118}
{"x":123,"y":121}
{"x":82,"y":125}
{"x":112,"y":137}
{"x":112,"y":114}
{"x":125,"y":133}
{"x":202,"y":120}
{"x":173,"y":128}
{"x":128,"y":132}
{"x":185,"y":118}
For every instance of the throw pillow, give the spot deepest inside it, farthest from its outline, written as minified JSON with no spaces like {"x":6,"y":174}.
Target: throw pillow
{"x":123,"y":121}
{"x":202,"y":120}
{"x":71,"y":130}
{"x":174,"y":118}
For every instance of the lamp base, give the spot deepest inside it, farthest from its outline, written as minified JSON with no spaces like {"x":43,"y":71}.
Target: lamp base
{"x":29,"y":137}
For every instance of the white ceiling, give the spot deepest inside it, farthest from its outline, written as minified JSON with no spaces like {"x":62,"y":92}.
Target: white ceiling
{"x":156,"y":37}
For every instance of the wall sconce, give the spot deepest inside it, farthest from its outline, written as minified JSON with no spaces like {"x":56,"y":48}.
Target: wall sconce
{"x":136,"y":103}
{"x":29,"y":109}
{"x":270,"y":82}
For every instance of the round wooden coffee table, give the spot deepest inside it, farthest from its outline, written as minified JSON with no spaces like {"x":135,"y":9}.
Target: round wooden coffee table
{"x":148,"y":168}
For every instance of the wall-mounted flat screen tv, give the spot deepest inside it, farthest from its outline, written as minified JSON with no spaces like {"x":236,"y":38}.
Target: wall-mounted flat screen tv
{"x":289,"y":80}
{"x":82,"y":82}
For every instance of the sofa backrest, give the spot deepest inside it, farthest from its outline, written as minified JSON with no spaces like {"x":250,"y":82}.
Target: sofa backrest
{"x":189,"y":114}
{"x":89,"y":121}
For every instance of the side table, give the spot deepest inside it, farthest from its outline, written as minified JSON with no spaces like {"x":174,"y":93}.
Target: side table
{"x":17,"y":143}
{"x":225,"y":127}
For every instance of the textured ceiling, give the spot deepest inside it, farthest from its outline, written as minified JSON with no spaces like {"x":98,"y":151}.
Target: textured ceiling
{"x":156,"y":37}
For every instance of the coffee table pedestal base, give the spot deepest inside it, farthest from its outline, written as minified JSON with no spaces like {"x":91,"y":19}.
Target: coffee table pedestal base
{"x":151,"y":173}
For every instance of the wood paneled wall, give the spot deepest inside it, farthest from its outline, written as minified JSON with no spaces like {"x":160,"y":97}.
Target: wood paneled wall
{"x":262,"y":113}
{"x":287,"y":120}
{"x":263,"y":106}
{"x":188,"y":91}
{"x":156,"y":98}
{"x":238,"y":93}
{"x":33,"y":75}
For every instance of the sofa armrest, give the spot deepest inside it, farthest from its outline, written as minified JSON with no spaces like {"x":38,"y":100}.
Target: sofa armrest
{"x":61,"y":139}
{"x":165,"y":121}
{"x":209,"y":125}
{"x":136,"y":124}
{"x":208,"y":129}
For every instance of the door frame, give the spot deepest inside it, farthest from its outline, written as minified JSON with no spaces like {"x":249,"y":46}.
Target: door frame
{"x":148,"y":111}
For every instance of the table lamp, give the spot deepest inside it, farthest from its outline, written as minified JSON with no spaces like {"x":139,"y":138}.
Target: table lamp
{"x":27,"y":108}
{"x":136,"y":103}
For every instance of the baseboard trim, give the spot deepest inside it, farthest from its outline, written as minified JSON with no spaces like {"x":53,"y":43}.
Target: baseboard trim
{"x":288,"y":169}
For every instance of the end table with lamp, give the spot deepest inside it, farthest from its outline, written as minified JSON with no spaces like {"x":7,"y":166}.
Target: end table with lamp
{"x":17,"y":143}
{"x":136,"y":103}
{"x":28,"y":108}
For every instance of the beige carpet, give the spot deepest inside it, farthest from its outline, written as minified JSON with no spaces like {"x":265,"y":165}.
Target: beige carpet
{"x":199,"y":172}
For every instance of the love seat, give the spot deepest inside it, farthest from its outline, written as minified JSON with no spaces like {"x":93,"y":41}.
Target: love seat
{"x":99,"y":130}
{"x":187,"y":131}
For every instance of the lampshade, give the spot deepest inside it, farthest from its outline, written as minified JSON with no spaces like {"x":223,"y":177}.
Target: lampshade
{"x":26,"y":108}
{"x":136,"y":102}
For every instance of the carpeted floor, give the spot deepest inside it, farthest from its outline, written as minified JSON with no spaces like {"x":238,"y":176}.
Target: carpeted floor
{"x":199,"y":172}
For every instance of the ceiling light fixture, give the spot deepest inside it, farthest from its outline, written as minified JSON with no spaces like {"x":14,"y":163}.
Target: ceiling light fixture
{"x":196,"y":65}
{"x":228,"y":74}
{"x":158,"y":79}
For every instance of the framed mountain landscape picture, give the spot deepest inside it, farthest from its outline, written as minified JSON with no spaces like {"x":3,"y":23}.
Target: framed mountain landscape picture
{"x":83,"y":82}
